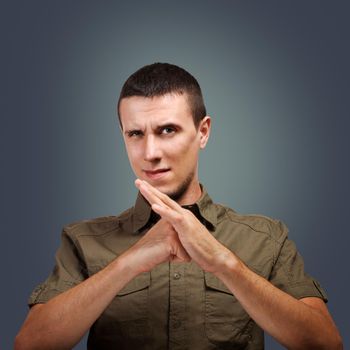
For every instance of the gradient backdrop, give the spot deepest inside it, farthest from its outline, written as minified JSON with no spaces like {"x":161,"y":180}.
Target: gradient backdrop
{"x":275,"y":77}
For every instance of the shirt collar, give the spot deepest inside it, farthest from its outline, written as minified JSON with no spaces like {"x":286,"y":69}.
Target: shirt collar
{"x":204,"y":209}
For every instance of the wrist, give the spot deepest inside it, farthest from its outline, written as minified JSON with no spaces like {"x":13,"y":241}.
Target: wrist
{"x":229,"y":266}
{"x":126,"y":266}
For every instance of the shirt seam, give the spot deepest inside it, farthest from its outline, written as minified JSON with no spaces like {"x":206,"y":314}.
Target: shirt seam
{"x":96,"y":220}
{"x":73,"y":227}
{"x":95,"y":234}
{"x":251,"y":227}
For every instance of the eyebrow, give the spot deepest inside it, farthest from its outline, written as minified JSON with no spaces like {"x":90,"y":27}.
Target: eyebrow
{"x":158,"y":128}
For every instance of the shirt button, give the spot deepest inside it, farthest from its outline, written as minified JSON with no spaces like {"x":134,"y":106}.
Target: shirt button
{"x":177,"y":275}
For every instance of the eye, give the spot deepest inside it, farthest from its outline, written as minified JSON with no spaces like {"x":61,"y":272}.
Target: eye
{"x":167,"y":130}
{"x":134,"y":133}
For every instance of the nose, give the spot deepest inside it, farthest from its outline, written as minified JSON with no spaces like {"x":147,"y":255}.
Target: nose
{"x":152,"y":150}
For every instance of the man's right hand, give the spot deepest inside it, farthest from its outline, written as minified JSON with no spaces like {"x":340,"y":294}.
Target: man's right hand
{"x":160,"y":244}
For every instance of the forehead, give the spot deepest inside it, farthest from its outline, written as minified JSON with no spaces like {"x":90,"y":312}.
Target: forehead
{"x":159,"y":109}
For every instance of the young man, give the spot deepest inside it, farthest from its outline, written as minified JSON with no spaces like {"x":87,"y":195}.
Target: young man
{"x":176,"y":271}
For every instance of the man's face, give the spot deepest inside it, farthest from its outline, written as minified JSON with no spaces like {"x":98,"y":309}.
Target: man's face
{"x":162,"y":141}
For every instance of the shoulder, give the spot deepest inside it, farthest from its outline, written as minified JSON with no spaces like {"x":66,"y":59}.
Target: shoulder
{"x":258,"y":224}
{"x":96,"y":226}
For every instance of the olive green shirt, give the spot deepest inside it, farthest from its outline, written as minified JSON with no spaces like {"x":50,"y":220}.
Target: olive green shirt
{"x":177,"y":305}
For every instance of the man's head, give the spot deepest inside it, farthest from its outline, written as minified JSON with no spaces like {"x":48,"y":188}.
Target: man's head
{"x":159,"y":79}
{"x":164,"y":128}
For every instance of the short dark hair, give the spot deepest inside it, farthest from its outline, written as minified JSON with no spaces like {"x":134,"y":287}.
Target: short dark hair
{"x":158,"y":79}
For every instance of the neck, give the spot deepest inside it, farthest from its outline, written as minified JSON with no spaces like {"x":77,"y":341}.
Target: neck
{"x":192,"y":194}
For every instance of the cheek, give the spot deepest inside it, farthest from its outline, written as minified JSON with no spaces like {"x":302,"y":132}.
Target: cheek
{"x":184,"y":149}
{"x":133,"y":154}
{"x":189,"y":146}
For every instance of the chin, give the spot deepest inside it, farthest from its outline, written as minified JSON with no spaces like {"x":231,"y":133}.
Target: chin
{"x":170,"y":191}
{"x":164,"y":189}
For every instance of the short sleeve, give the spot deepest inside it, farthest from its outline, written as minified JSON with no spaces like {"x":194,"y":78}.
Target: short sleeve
{"x":288,"y":272}
{"x":68,"y":271}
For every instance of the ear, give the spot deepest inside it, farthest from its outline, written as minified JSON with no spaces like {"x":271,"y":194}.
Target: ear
{"x":204,"y":131}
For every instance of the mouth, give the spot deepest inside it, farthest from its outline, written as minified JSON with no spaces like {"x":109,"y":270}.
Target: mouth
{"x":157,"y":173}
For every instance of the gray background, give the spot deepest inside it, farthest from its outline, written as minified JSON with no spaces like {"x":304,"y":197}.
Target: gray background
{"x":275,"y":76}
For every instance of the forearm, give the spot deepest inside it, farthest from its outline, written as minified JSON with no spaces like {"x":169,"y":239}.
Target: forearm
{"x":61,"y":322}
{"x":293,"y":323}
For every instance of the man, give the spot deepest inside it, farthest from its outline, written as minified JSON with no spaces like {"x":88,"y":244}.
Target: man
{"x":176,"y":271}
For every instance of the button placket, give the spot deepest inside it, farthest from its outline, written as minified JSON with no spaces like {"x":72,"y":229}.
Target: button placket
{"x":177,"y":338}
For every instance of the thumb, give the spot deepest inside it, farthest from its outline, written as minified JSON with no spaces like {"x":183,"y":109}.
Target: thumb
{"x":180,"y":254}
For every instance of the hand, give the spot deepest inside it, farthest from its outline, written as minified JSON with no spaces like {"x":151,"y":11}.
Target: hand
{"x":196,"y":240}
{"x":161,"y":243}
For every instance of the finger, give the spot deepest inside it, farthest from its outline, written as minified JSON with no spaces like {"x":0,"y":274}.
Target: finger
{"x":137,"y":182}
{"x":147,"y":193}
{"x":180,"y":254}
{"x":150,"y":195}
{"x":177,"y":220}
{"x":165,"y":212}
{"x":163,"y":197}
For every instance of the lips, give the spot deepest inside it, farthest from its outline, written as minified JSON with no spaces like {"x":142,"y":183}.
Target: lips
{"x":157,"y":173}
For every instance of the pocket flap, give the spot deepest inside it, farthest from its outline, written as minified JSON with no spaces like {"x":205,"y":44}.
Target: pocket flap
{"x":140,"y":282}
{"x":214,"y":283}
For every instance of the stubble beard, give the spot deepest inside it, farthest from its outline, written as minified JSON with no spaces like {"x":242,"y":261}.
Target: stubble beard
{"x":178,"y":193}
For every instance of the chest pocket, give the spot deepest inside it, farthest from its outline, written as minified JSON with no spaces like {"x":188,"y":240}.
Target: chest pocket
{"x":226,"y":322}
{"x":124,"y":324}
{"x":131,"y":303}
